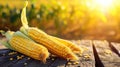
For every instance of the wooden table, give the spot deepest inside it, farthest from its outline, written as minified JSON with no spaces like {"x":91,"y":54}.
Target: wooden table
{"x":96,"y":53}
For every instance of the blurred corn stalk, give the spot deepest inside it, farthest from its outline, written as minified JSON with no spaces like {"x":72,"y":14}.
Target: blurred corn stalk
{"x":64,"y":19}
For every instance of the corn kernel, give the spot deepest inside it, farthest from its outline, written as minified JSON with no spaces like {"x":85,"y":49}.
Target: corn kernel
{"x":25,"y":63}
{"x":69,"y":63}
{"x":28,"y":58}
{"x":11,"y":58}
{"x":107,"y":51}
{"x":53,"y":59}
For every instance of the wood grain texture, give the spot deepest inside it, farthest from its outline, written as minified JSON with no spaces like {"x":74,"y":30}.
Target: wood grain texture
{"x":115,"y":47}
{"x":83,"y":61}
{"x":107,"y":56}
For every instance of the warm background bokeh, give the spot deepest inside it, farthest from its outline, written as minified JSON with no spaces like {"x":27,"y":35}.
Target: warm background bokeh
{"x":69,"y":19}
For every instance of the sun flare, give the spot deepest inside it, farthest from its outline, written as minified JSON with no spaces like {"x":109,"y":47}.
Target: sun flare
{"x":104,"y":3}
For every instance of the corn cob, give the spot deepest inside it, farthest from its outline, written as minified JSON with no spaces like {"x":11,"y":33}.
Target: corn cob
{"x":24,"y":45}
{"x":39,"y":36}
{"x":69,"y":44}
{"x":53,"y":46}
{"x":72,"y":46}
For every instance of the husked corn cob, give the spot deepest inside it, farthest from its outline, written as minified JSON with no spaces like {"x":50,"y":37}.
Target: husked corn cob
{"x":39,"y":36}
{"x":72,"y":46}
{"x":52,"y":45}
{"x":24,"y":45}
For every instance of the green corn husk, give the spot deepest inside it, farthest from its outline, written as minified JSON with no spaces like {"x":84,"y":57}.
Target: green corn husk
{"x":6,"y":44}
{"x":18,"y":33}
{"x":8,"y":35}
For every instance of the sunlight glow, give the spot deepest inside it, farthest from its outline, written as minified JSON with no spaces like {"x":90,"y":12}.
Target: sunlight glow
{"x":104,"y":3}
{"x":101,"y":5}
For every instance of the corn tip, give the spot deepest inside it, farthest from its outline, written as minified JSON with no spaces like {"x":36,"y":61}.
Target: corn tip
{"x":72,"y":57}
{"x":26,"y":3}
{"x":44,"y":56}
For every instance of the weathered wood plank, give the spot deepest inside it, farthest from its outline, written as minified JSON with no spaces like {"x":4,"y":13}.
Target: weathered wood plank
{"x":59,"y":62}
{"x":19,"y":63}
{"x":24,"y":62}
{"x":98,"y":62}
{"x":87,"y":58}
{"x":88,"y":51}
{"x":116,"y":47}
{"x":6,"y":61}
{"x":4,"y":52}
{"x":108,"y":58}
{"x":36,"y":63}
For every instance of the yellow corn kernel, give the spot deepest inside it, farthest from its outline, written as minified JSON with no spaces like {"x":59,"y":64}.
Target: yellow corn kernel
{"x":108,"y":52}
{"x":25,"y":63}
{"x":52,"y":45}
{"x":11,"y":59}
{"x":29,"y":48}
{"x":72,"y":46}
{"x":69,"y":63}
